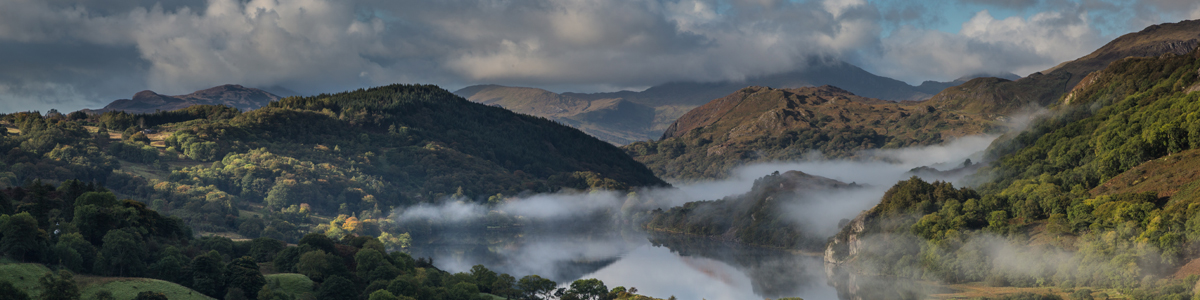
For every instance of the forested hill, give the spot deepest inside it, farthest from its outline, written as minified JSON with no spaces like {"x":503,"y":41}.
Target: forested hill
{"x":298,"y":164}
{"x":763,"y":124}
{"x":762,"y":216}
{"x":1099,"y":194}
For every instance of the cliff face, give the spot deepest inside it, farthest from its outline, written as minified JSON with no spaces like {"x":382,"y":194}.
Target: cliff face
{"x":841,"y":248}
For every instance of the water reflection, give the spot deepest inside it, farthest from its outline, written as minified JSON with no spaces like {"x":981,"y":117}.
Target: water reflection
{"x":658,"y":265}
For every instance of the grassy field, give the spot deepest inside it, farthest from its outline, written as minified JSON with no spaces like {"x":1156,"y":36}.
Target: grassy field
{"x":976,"y":290}
{"x":24,"y":276}
{"x":128,"y":288}
{"x":290,"y":283}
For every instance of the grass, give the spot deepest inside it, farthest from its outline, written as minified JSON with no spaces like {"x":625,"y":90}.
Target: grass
{"x":24,"y":276}
{"x":291,"y":284}
{"x":128,"y":288}
{"x":493,"y":297}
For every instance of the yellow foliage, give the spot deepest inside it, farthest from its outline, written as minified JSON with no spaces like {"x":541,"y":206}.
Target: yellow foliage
{"x":352,"y":225}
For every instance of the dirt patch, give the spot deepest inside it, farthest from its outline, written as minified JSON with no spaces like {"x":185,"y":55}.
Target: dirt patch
{"x":1166,"y":176}
{"x":1192,"y":267}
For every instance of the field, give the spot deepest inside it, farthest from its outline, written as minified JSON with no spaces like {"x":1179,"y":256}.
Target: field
{"x":290,"y":283}
{"x":977,"y":290}
{"x":24,"y":276}
{"x":128,"y":288}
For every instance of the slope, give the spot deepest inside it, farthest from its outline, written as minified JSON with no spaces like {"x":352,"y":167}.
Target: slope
{"x":1101,"y":193}
{"x":763,"y":124}
{"x":302,"y":162}
{"x":758,"y":217}
{"x":231,"y":95}
{"x":614,"y":120}
{"x":992,"y":96}
{"x":651,"y":111}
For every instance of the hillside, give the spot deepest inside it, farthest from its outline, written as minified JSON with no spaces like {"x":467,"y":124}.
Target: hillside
{"x":301,"y":162}
{"x":758,"y":124}
{"x":1098,"y":193}
{"x":615,"y":120}
{"x":997,"y":97}
{"x":231,"y":95}
{"x":758,"y":217}
{"x":121,"y":249}
{"x":646,"y":114}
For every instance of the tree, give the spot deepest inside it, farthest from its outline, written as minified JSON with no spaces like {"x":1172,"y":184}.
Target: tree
{"x":73,"y":245}
{"x":484,"y":278}
{"x":319,"y":265}
{"x":121,"y":255}
{"x":586,"y":289}
{"x":264,"y":249}
{"x":372,"y":265}
{"x":148,"y":295}
{"x":208,"y":274}
{"x":504,"y":286}
{"x":22,"y":237}
{"x":318,"y":241}
{"x":171,"y":267}
{"x":337,"y":288}
{"x":536,"y":287}
{"x":286,"y":260}
{"x":382,"y":295}
{"x":10,"y":292}
{"x":243,"y":274}
{"x":104,"y":295}
{"x":62,"y":283}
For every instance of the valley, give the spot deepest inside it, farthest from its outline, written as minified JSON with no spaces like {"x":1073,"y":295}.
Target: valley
{"x":827,"y":182}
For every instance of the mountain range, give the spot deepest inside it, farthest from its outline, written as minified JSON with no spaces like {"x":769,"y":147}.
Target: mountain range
{"x":646,"y":114}
{"x":232,"y":95}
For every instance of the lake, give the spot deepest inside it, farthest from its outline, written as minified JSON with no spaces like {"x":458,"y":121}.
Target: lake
{"x":658,"y":265}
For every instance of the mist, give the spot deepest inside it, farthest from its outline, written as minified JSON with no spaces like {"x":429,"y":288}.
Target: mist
{"x":572,"y":233}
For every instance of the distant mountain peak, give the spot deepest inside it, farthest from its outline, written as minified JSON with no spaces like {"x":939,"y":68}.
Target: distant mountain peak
{"x":233,"y":95}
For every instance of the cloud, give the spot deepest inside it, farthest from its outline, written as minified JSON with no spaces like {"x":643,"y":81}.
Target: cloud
{"x":1006,"y":3}
{"x":315,"y":46}
{"x":988,"y":45}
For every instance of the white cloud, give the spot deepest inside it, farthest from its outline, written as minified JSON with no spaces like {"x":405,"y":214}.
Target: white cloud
{"x":326,"y":45}
{"x":986,"y":44}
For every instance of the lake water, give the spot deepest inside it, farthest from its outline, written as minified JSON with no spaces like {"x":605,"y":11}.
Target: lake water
{"x":658,"y":265}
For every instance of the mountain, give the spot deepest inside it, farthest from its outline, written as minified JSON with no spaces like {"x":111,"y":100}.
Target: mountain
{"x":996,"y":97}
{"x":758,"y":217}
{"x":232,"y":95}
{"x":361,"y":153}
{"x":758,"y":124}
{"x":615,"y":120}
{"x":653,"y":110}
{"x":836,"y":73}
{"x":1099,"y":192}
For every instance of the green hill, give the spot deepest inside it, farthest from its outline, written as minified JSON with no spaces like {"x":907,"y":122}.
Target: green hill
{"x":998,"y":97}
{"x":301,"y":162}
{"x":758,"y":217}
{"x":128,"y":288}
{"x":1098,"y":193}
{"x":759,"y":124}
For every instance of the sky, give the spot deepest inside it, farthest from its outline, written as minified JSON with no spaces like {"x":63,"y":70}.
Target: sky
{"x":70,"y":55}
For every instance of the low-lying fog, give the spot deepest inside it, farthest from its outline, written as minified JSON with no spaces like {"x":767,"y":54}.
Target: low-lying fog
{"x":628,"y":259}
